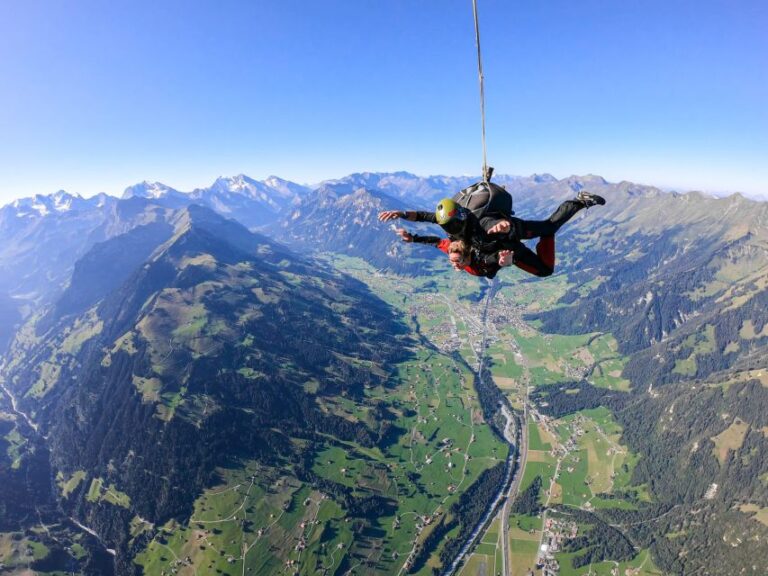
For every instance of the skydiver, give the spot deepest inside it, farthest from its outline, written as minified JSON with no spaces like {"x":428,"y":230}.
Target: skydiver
{"x":469,"y":224}
{"x":461,"y":255}
{"x":485,"y":241}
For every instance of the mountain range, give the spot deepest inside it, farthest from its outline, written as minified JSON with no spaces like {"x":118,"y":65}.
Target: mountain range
{"x":155,"y":342}
{"x":43,"y":236}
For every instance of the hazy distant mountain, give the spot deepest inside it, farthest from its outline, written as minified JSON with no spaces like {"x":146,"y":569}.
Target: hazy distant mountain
{"x":416,"y":191}
{"x":42,"y":237}
{"x":329,"y":220}
{"x":251,"y":202}
{"x":153,"y":190}
{"x":40,"y":205}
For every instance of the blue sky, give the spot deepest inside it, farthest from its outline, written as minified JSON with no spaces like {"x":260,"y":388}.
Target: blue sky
{"x":96,"y":96}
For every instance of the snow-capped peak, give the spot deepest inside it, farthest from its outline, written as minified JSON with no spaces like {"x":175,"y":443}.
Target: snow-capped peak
{"x":101,"y":199}
{"x":62,"y":200}
{"x":42,"y":205}
{"x":285,"y":188}
{"x":148,"y":190}
{"x":240,"y":184}
{"x":275,"y":181}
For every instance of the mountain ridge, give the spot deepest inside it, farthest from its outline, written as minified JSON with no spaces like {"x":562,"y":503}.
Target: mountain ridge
{"x":680,"y":281}
{"x":381,"y":180}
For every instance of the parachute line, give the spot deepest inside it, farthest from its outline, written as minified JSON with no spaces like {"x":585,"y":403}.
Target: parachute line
{"x":486,"y":173}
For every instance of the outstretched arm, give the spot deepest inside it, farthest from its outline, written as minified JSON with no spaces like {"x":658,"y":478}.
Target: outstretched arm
{"x":405,"y":236}
{"x":408,"y":237}
{"x":412,"y":215}
{"x":388,"y":215}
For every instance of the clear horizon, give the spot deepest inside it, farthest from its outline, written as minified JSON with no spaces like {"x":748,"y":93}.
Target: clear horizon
{"x":99,"y":96}
{"x":192,"y":187}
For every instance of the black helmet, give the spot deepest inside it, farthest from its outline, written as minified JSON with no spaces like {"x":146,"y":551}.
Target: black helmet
{"x":451,"y":216}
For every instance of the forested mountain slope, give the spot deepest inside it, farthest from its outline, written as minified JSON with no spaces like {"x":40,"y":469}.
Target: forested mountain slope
{"x":203,"y":356}
{"x":681,"y":281}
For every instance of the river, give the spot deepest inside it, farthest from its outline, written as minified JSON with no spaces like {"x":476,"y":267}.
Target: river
{"x":24,"y":416}
{"x":492,"y":509}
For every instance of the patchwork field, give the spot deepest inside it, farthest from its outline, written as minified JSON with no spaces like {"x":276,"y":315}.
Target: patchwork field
{"x":523,"y":556}
{"x":260,"y":522}
{"x":18,"y":552}
{"x":642,"y":565}
{"x":755,"y":512}
{"x":579,"y":459}
{"x":487,"y":555}
{"x":729,"y":439}
{"x":539,"y":438}
{"x":441,"y":450}
{"x":596,"y":464}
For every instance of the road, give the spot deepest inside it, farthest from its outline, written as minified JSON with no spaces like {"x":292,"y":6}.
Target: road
{"x":482,"y":525}
{"x":512,"y":493}
{"x":521,"y":445}
{"x":468,"y":318}
{"x":479,"y":352}
{"x":94,"y":534}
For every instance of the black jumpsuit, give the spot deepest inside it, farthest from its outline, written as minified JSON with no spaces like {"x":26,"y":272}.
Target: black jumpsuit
{"x":486,"y":246}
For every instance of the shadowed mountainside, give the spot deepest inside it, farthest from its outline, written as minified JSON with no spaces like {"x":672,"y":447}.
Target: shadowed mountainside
{"x":177,"y":325}
{"x":202,"y":356}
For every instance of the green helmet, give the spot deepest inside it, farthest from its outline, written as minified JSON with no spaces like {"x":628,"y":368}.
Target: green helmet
{"x":451,"y":216}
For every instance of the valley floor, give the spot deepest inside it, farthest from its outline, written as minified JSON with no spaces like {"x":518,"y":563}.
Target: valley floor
{"x":264,"y":520}
{"x":578,"y":458}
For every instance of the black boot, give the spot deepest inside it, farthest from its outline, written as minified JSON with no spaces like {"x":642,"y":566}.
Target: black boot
{"x":589,"y":199}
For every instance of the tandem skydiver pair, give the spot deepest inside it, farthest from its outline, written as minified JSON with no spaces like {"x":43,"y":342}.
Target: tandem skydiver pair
{"x":483,"y":234}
